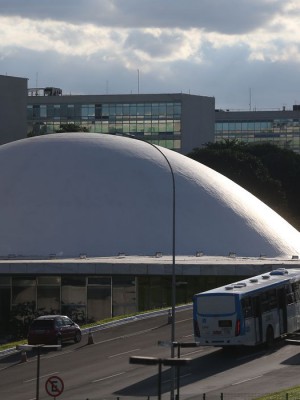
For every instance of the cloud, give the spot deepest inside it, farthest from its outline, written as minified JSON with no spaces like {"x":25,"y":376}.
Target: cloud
{"x":236,"y":16}
{"x":209,"y":47}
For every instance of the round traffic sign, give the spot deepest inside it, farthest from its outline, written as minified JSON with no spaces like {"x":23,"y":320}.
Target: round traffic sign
{"x":54,"y":386}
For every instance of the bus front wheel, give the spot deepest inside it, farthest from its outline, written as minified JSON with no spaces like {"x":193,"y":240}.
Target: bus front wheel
{"x":269,"y":337}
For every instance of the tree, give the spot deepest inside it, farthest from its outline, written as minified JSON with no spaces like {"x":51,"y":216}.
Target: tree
{"x":265,"y":170}
{"x":71,"y":128}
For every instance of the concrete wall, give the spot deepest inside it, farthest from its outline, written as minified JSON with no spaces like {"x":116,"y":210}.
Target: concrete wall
{"x":13,"y":101}
{"x":198,"y":122}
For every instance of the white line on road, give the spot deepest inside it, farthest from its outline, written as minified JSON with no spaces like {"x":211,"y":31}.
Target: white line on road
{"x":183,"y":320}
{"x":181,"y":376}
{"x":189,"y":335}
{"x":128,"y":335}
{"x":125,"y":352}
{"x":107,"y":377}
{"x":252,"y":355}
{"x":194,"y":352}
{"x":246,"y":380}
{"x":43,"y":376}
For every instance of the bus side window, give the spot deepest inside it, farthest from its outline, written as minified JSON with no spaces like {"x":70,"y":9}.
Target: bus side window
{"x":256,"y":306}
{"x":247,"y":307}
{"x":289,"y":295}
{"x":296,"y":291}
{"x":269,"y":300}
{"x":273,"y":301}
{"x":264,"y":302}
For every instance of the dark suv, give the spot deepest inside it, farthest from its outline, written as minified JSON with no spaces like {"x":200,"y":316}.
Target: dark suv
{"x":53,"y":329}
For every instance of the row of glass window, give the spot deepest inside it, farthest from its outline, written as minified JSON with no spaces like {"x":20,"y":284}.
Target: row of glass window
{"x":258,"y":126}
{"x":81,"y":298}
{"x":292,"y":143}
{"x":256,"y":135}
{"x":259,"y":137}
{"x":54,"y":280}
{"x":163,"y":134}
{"x":154,"y":127}
{"x":104,"y":111}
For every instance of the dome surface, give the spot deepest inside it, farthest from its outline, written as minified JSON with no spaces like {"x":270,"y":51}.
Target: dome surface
{"x":101,"y":195}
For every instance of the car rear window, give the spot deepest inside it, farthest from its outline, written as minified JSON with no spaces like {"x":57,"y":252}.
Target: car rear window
{"x":42,"y":324}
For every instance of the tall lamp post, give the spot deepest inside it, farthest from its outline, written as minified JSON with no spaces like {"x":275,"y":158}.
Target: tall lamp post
{"x":173,"y":299}
{"x":173,"y":296}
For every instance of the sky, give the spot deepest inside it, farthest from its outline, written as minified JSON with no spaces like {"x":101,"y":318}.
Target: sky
{"x":244,"y":53}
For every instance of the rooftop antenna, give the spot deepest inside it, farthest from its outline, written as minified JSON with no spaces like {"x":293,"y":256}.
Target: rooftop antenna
{"x":138,"y":81}
{"x":250,"y":99}
{"x":36,"y":83}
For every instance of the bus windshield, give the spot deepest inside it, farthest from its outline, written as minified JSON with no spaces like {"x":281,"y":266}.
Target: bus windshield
{"x":211,"y":305}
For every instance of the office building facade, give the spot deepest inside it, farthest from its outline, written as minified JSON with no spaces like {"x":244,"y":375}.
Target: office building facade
{"x":282,"y":128}
{"x":179,"y":122}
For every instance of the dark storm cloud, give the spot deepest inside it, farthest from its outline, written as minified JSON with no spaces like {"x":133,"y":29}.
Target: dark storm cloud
{"x":233,"y":17}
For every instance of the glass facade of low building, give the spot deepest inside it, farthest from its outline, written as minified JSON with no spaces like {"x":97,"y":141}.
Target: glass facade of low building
{"x":90,"y":298}
{"x":82,"y":298}
{"x":281,"y":128}
{"x":158,"y":122}
{"x":176,"y":121}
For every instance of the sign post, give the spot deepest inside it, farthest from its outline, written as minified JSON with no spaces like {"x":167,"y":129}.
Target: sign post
{"x":26,"y":347}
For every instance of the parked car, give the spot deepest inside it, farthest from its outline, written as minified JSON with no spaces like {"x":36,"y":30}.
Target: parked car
{"x":53,"y":329}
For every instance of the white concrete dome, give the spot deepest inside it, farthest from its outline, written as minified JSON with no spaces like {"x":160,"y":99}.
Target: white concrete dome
{"x":73,"y":193}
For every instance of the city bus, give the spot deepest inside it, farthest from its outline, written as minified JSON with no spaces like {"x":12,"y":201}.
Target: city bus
{"x":249,"y":312}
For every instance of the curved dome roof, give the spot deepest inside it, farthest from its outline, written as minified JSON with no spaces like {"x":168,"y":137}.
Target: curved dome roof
{"x":101,"y":195}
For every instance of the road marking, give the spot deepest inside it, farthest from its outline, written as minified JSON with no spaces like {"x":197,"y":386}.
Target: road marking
{"x":181,"y":376}
{"x":194,"y":352}
{"x":43,"y":376}
{"x":125,"y":352}
{"x":107,"y":377}
{"x":252,"y":355}
{"x":189,"y":335}
{"x":246,"y":380}
{"x":58,"y":353}
{"x":183,"y":320}
{"x":184,"y":376}
{"x":128,"y":335}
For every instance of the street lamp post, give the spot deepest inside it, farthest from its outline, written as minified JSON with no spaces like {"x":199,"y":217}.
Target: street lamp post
{"x":173,"y":299}
{"x":173,"y":284}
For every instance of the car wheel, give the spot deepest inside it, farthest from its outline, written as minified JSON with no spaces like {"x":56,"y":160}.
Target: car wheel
{"x":77,"y":337}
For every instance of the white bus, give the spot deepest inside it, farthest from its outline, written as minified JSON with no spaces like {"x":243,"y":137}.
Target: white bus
{"x":249,"y":312}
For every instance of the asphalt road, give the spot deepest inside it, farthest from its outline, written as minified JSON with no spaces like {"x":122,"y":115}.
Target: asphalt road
{"x":102,"y":370}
